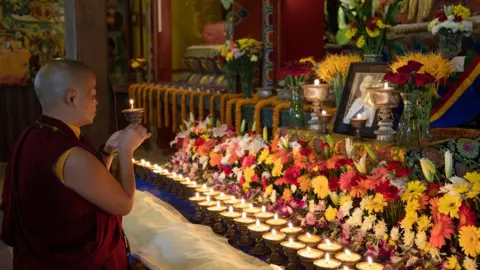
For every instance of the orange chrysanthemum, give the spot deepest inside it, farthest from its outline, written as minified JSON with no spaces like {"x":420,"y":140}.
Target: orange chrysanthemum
{"x":442,"y":228}
{"x":358,"y":191}
{"x":332,"y":162}
{"x":215,"y":159}
{"x":433,"y":205}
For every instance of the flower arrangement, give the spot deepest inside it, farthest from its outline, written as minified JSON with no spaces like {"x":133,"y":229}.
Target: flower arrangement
{"x":241,"y":57}
{"x":333,"y":70}
{"x":139,"y":66}
{"x":374,"y":207}
{"x":450,"y":24}
{"x":408,"y":78}
{"x":369,"y":21}
{"x":295,"y":73}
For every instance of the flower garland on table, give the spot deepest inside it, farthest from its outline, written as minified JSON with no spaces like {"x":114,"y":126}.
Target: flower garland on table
{"x":167,"y":114}
{"x":140,"y":95}
{"x":276,"y":115}
{"x":228,"y":110}
{"x":174,"y":109}
{"x":223,"y":98}
{"x":212,"y":104}
{"x":238,"y":110}
{"x":150,"y":104}
{"x":159,"y":105}
{"x":183,"y":105}
{"x":201,"y":105}
{"x":191,"y":108}
{"x":272,"y":101}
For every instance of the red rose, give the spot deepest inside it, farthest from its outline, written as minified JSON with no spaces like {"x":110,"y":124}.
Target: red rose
{"x":421,"y":79}
{"x":410,"y":67}
{"x":458,"y":18}
{"x":442,"y":17}
{"x":399,"y":79}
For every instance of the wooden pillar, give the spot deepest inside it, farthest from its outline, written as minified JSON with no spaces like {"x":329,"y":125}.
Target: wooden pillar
{"x":86,"y":41}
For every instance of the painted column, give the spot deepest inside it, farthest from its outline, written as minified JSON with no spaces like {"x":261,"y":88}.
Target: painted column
{"x":268,"y":36}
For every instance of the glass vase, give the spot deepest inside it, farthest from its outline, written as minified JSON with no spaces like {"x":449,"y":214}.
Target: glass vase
{"x":450,"y":44}
{"x":231,"y":77}
{"x":424,"y":107}
{"x":408,"y":132}
{"x":247,"y":74}
{"x":337,"y":86}
{"x":372,"y":58}
{"x":297,"y":115}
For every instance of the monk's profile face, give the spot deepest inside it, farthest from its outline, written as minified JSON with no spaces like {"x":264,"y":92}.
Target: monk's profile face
{"x":85,"y":100}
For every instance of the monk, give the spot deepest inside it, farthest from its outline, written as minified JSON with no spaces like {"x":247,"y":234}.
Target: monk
{"x":62,"y":207}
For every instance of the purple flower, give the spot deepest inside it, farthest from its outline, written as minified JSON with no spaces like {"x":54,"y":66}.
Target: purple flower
{"x":468,"y":147}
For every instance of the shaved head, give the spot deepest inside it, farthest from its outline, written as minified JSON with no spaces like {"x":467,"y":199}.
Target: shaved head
{"x":56,"y":77}
{"x":66,"y":90}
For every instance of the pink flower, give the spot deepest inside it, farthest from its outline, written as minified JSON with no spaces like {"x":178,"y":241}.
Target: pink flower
{"x":310,"y":219}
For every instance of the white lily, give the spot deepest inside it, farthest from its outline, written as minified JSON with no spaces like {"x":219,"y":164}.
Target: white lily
{"x":448,"y":164}
{"x":349,"y":146}
{"x":428,"y":169}
{"x":362,"y":164}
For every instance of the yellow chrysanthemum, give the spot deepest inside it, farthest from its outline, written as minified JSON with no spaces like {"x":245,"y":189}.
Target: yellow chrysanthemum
{"x":412,"y":206}
{"x":351,"y":32}
{"x":462,"y":11}
{"x":468,"y":240}
{"x":334,"y":64}
{"x":135,"y":64}
{"x":474,"y":190}
{"x":452,"y":263}
{"x":246,"y":186}
{"x":309,"y":59}
{"x":229,"y":56}
{"x":277,"y":168}
{"x":382,"y":25}
{"x":263,"y":155}
{"x":320,"y":186}
{"x":462,"y":188}
{"x":345,"y":198}
{"x":375,"y":204}
{"x":423,"y":223}
{"x":373,"y":33}
{"x":248,"y":173}
{"x":334,"y":198}
{"x":449,"y":205}
{"x":361,"y":42}
{"x":270,"y":159}
{"x":409,"y":220}
{"x":330,"y":213}
{"x":269,"y":190}
{"x":472,"y":177}
{"x":414,"y":191}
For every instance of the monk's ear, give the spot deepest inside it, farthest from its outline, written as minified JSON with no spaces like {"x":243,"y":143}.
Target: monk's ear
{"x":70,"y":97}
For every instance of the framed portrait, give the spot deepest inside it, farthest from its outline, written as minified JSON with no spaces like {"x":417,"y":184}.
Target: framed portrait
{"x":355,"y":101}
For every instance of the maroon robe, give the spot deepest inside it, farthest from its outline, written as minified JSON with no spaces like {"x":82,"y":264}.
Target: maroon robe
{"x":49,"y":225}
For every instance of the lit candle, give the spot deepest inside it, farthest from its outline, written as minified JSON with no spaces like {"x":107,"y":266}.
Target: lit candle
{"x":369,"y":265}
{"x":348,"y":258}
{"x":208,"y":198}
{"x":142,"y":161}
{"x":230,"y":209}
{"x":244,"y":215}
{"x":131,"y":104}
{"x":218,"y":204}
{"x":133,"y":160}
{"x":180,"y":177}
{"x":155,"y":166}
{"x":290,"y":225}
{"x":211,"y":190}
{"x":327,"y":258}
{"x":230,"y":214}
{"x":330,"y":246}
{"x":359,"y":115}
{"x":257,"y":222}
{"x":264,"y":209}
{"x":147,"y":164}
{"x":194,"y":183}
{"x":309,"y":253}
{"x":274,"y":232}
{"x":274,"y":236}
{"x":316,"y":82}
{"x":277,"y":222}
{"x":291,"y":230}
{"x":204,"y":186}
{"x":243,"y":201}
{"x":222,"y":194}
{"x":385,"y":85}
{"x":244,"y":220}
{"x":275,"y":217}
{"x":309,"y":239}
{"x":370,"y":258}
{"x":259,"y":227}
{"x":188,"y":179}
{"x":233,"y":198}
{"x":324,"y":112}
{"x":197,"y":194}
{"x":263,"y":214}
{"x":327,"y":263}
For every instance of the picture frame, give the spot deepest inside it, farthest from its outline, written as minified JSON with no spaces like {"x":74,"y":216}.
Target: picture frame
{"x":355,"y":99}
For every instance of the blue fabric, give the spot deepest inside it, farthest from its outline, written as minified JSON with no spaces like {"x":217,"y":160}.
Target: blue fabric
{"x":463,"y":110}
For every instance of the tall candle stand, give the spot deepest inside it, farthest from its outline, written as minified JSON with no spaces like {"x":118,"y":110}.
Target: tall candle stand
{"x":291,"y":248}
{"x":385,"y":99}
{"x":242,"y":223}
{"x":215,"y":211}
{"x":308,"y":256}
{"x":198,"y":216}
{"x":208,"y":217}
{"x":273,"y":240}
{"x":257,"y":230}
{"x":229,"y":216}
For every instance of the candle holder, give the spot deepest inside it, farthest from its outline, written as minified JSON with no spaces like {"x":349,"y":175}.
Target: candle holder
{"x":229,"y":217}
{"x":292,"y":232}
{"x":323,"y":121}
{"x":330,"y":247}
{"x":369,"y":266}
{"x":264,"y":216}
{"x":327,"y":264}
{"x":257,"y":233}
{"x":348,"y":258}
{"x":168,"y":183}
{"x":215,"y":211}
{"x":317,"y":94}
{"x":208,"y":221}
{"x":273,"y":242}
{"x":134,"y":115}
{"x":252,"y":211}
{"x":308,"y":256}
{"x":385,"y":99}
{"x":198,"y":216}
{"x":310,"y":240}
{"x":290,"y":248}
{"x":242,"y":225}
{"x":277,"y":223}
{"x":358,"y":124}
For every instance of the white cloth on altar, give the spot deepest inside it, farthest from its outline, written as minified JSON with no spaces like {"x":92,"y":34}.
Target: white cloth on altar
{"x":163,"y":239}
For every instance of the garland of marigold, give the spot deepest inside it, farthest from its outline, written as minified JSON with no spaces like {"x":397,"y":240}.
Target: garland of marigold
{"x":228,"y":110}
{"x":183,"y":105}
{"x":238,"y":110}
{"x":167,"y":115}
{"x":212,"y":104}
{"x":191,"y":106}
{"x":174,"y":109}
{"x":150,"y":105}
{"x":140,"y":95}
{"x":201,"y":105}
{"x":273,"y":101}
{"x":223,"y":97}
{"x":159,"y":105}
{"x":131,"y":90}
{"x":276,"y":115}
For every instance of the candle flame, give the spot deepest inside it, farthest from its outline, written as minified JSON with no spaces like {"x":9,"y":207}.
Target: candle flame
{"x":290,"y":225}
{"x":133,"y":160}
{"x":222,"y":194}
{"x":147,"y":164}
{"x":188,"y":179}
{"x":345,"y":268}
{"x":328,"y":242}
{"x":251,"y":206}
{"x":309,"y":235}
{"x":230,"y":209}
{"x":218,"y":204}
{"x":274,"y":232}
{"x":316,"y":82}
{"x":131,"y":103}
{"x":142,"y":161}
{"x":324,"y":112}
{"x":244,"y":215}
{"x":290,"y":241}
{"x":370,"y":261}
{"x":348,"y":253}
{"x":232,"y":198}
{"x":275,"y":216}
{"x":243,"y":201}
{"x":208,"y":198}
{"x":264,"y":209}
{"x":327,"y":258}
{"x":385,"y":85}
{"x":204,"y":186}
{"x":155,"y":166}
{"x":180,"y":176}
{"x":359,"y":115}
{"x":211,"y":190}
{"x":197,"y":195}
{"x":309,"y":250}
{"x":194,"y":183}
{"x":257,"y":222}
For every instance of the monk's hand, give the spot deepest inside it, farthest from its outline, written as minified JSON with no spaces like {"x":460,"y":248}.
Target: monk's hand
{"x":132,"y":137}
{"x":111,"y":146}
